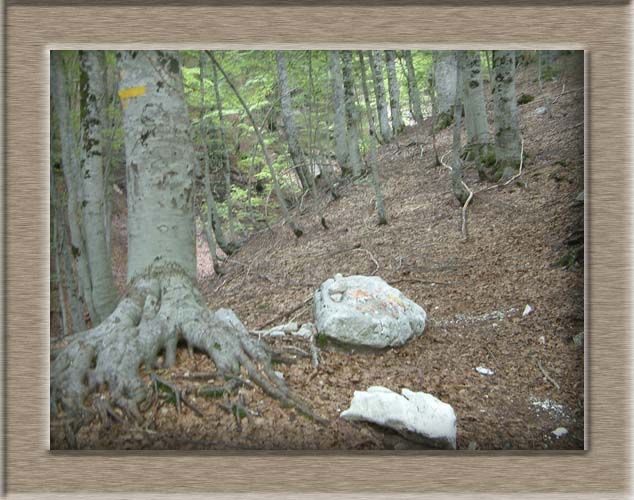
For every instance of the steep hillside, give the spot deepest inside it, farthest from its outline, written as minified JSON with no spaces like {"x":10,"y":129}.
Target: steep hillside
{"x":521,"y":250}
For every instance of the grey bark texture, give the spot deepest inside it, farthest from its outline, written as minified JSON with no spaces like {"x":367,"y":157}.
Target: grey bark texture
{"x":73,"y":315}
{"x":456,"y":164}
{"x":412,"y":88}
{"x":395,"y":92}
{"x":352,"y":115}
{"x":376,"y":63}
{"x":93,"y":118}
{"x":434,"y":109}
{"x":340,"y":133}
{"x":374,"y":162}
{"x":290,"y":127}
{"x":163,"y":304}
{"x":474,"y":105}
{"x":160,"y":162}
{"x":70,"y":166}
{"x":507,"y":136}
{"x":57,"y":228}
{"x":445,"y":72}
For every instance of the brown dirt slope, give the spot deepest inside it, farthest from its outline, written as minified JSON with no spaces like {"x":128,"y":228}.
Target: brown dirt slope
{"x":474,"y":293}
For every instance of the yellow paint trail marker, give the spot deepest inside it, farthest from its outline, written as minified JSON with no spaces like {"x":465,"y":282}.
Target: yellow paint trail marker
{"x":125,"y":94}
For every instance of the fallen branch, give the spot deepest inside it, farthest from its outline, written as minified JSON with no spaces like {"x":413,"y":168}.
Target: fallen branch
{"x":570,"y":91}
{"x":548,"y":377}
{"x":466,"y":203}
{"x":464,"y":214}
{"x":296,"y":350}
{"x":286,"y":313}
{"x":195,"y":376}
{"x":416,"y":280}
{"x":192,"y":407}
{"x":563,"y":89}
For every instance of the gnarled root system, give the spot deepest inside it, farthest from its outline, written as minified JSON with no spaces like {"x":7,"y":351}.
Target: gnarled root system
{"x":159,"y":309}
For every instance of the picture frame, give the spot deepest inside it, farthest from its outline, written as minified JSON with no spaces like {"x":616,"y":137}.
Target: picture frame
{"x":33,"y":27}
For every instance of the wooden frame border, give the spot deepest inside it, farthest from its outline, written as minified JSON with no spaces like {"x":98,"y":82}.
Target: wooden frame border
{"x":32,"y":28}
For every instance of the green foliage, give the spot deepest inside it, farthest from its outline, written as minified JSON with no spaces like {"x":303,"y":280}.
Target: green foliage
{"x":322,"y":340}
{"x":238,"y":411}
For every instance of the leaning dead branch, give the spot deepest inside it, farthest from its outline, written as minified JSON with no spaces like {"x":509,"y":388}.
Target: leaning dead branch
{"x":276,"y":187}
{"x":466,"y":203}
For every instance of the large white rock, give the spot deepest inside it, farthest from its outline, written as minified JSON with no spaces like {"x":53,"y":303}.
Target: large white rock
{"x":366,"y":311}
{"x":417,"y":416}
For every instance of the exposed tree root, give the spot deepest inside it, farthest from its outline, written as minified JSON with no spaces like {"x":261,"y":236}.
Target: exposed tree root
{"x":159,"y":309}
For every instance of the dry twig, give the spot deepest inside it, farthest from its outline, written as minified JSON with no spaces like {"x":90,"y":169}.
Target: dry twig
{"x":286,"y":313}
{"x":548,"y":377}
{"x":371,"y":256}
{"x":466,"y":204}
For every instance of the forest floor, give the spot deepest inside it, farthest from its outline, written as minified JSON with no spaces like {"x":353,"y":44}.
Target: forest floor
{"x":474,"y":293}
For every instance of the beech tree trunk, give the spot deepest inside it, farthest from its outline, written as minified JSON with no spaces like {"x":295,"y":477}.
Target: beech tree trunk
{"x":352,"y":115}
{"x":93,"y":105}
{"x":507,"y":136}
{"x":412,"y":88}
{"x":456,"y":166}
{"x":339,"y":108}
{"x":395,"y":92}
{"x":374,"y":163}
{"x":376,"y":64}
{"x":445,"y":72}
{"x":57,"y":228}
{"x":162,"y":304}
{"x":474,"y":106}
{"x":70,"y":166}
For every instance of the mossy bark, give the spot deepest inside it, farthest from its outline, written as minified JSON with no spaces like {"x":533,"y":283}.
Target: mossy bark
{"x":507,"y":136}
{"x":474,"y":106}
{"x":456,"y":164}
{"x":93,"y":105}
{"x":72,"y":178}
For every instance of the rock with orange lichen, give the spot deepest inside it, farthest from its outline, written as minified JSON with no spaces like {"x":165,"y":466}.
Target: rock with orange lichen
{"x":366,"y":311}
